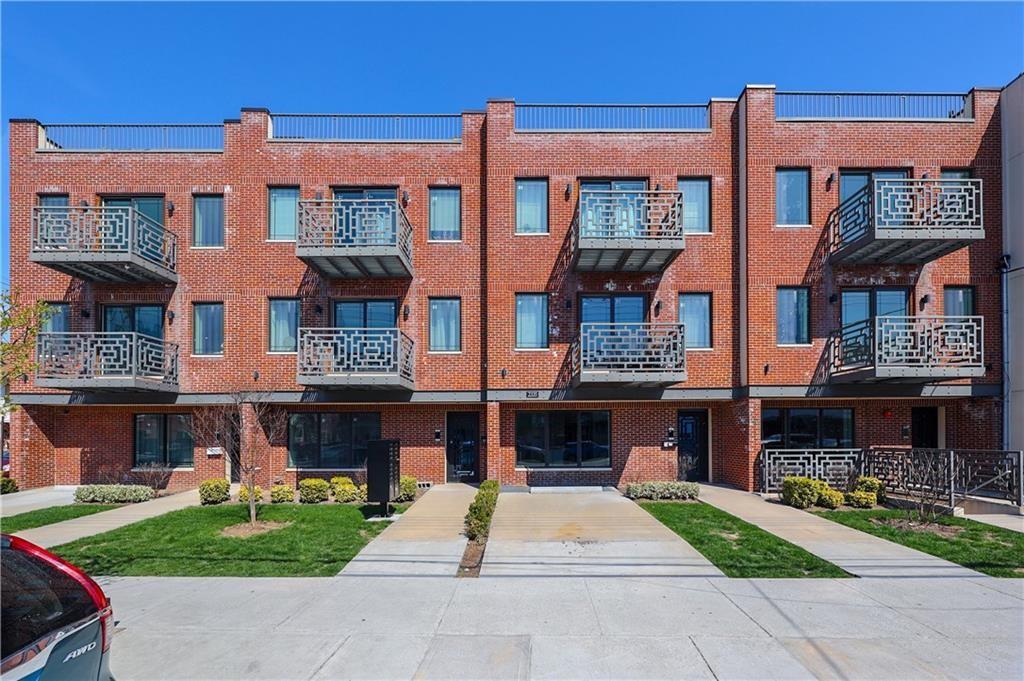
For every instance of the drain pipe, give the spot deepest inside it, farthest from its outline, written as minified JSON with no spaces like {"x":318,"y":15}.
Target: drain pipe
{"x":1004,"y":276}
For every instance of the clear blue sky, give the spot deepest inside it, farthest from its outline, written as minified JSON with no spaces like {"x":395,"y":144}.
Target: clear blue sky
{"x":192,"y":62}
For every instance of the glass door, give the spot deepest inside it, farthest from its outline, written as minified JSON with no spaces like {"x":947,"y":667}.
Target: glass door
{"x":118,"y":230}
{"x":366,"y":217}
{"x":616,"y":215}
{"x":618,"y":319}
{"x":853,"y":181}
{"x":362,"y":346}
{"x":144,"y":319}
{"x":463,"y":447}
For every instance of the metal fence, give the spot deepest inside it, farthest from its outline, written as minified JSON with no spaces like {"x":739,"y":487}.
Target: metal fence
{"x":341,"y":351}
{"x":948,"y":474}
{"x":911,"y":342}
{"x":367,"y":127}
{"x":630,"y":348}
{"x":142,"y":137}
{"x":102,"y":229}
{"x":101,"y":355}
{"x":611,"y":117}
{"x":836,"y":466}
{"x":623,"y":214}
{"x":872,"y":106}
{"x":354,"y":222}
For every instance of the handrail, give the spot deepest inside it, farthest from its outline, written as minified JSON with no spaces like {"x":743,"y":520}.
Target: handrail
{"x":366,"y":127}
{"x":877,"y":106}
{"x":140,"y":137}
{"x":611,"y":117}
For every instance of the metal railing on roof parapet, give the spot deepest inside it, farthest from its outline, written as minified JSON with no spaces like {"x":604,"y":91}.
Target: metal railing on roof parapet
{"x":611,"y":117}
{"x":366,"y":127}
{"x":132,"y":137}
{"x":878,"y":106}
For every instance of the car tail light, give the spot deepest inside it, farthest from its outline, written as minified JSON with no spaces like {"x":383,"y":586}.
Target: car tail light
{"x":88,"y":583}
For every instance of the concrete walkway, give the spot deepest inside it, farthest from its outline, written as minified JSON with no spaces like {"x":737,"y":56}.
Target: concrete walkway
{"x":1005,"y":520}
{"x":856,"y":552}
{"x":35,"y":499}
{"x":70,"y":530}
{"x":584,"y":534}
{"x":426,"y":540}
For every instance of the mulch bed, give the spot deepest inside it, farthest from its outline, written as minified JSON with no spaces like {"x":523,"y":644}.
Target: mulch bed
{"x":472,"y":559}
{"x":918,"y":526}
{"x":243,"y":530}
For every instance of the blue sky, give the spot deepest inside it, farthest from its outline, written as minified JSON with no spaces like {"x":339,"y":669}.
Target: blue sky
{"x":192,"y":62}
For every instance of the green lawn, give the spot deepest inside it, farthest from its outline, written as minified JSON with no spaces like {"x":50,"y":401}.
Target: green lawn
{"x":48,"y":516}
{"x":995,"y":551}
{"x":319,"y":542}
{"x":736,"y":547}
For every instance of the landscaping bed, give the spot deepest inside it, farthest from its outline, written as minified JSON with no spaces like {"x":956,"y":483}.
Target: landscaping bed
{"x":478,"y":526}
{"x":994,"y":551}
{"x":49,"y":516}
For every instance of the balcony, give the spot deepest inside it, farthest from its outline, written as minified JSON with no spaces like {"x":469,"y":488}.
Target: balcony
{"x":906,"y":221}
{"x":106,"y":362}
{"x":355,"y":238}
{"x":949,"y":107}
{"x":356,"y":358}
{"x":627,"y":231}
{"x":647,"y":354}
{"x":908,"y":349}
{"x":114,"y":244}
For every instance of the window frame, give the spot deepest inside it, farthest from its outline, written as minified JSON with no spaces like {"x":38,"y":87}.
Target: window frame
{"x":711,"y":318}
{"x":961,"y":287}
{"x":223,"y":325}
{"x":547,"y":206}
{"x":546,"y":326}
{"x":164,"y":417}
{"x":223,"y":220}
{"x":710,"y":183}
{"x":270,"y":328}
{"x":57,"y":304}
{"x":289,"y":463}
{"x":797,"y":344}
{"x":430,"y":190}
{"x":784,"y":419}
{"x":810,"y":209}
{"x":298,"y":197}
{"x":430,"y":339}
{"x":547,"y":440}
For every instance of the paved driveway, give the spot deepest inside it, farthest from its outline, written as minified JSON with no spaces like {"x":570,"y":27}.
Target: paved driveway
{"x":35,"y":499}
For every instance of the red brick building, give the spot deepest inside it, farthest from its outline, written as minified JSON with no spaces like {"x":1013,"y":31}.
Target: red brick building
{"x":537,"y":294}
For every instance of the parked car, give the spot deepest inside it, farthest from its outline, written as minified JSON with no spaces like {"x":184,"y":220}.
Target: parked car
{"x":57,"y":622}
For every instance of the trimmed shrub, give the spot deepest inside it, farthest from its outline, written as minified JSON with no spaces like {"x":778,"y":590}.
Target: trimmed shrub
{"x":830,"y":498}
{"x":406,"y":488}
{"x":8,"y":485}
{"x":869,"y":484}
{"x":243,"y":494}
{"x":478,"y":519}
{"x":313,"y":490}
{"x":801,"y":492}
{"x":670,"y":489}
{"x":282,"y":494}
{"x":341,"y":480}
{"x":214,"y":491}
{"x":345,"y":492}
{"x":113,"y":494}
{"x":361,"y":493}
{"x":861,"y":499}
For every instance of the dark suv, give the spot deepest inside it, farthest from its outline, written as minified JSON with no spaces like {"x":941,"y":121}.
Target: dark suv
{"x":57,"y":621}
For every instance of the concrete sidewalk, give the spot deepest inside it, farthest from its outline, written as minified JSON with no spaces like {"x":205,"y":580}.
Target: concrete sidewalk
{"x":70,"y":530}
{"x":597,"y":534}
{"x":856,"y":552}
{"x":426,"y":540}
{"x":35,"y":499}
{"x":1007,"y":521}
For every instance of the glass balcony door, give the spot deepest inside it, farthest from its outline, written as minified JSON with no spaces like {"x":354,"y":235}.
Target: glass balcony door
{"x":621,"y":214}
{"x":626,"y":312}
{"x":360,"y":347}
{"x":117,"y":230}
{"x":858,"y":310}
{"x":115,"y":354}
{"x":853,"y":181}
{"x":366,"y":217}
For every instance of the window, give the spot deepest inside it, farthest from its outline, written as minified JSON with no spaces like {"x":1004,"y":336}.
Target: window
{"x":445,"y":325}
{"x":208,"y":221}
{"x":958,"y":301}
{"x":695,"y":314}
{"x":59,"y":320}
{"x":955,"y":174}
{"x":807,"y":428}
{"x":53,"y":200}
{"x":284,"y":325}
{"x":163,"y":440}
{"x":445,"y":214}
{"x":791,"y":316}
{"x":531,"y":321}
{"x":792,"y":196}
{"x":331,"y":440}
{"x":696,"y":204}
{"x":150,"y":207}
{"x":531,"y":206}
{"x":563,"y":439}
{"x":366,"y":314}
{"x":284,"y":213}
{"x":208,"y":329}
{"x":145,"y":319}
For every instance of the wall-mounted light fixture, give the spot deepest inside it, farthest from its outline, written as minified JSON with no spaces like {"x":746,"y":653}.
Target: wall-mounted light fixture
{"x":170,"y":316}
{"x":767,"y":368}
{"x":924,"y":176}
{"x":831,"y":178}
{"x":85,"y":313}
{"x":504,"y":373}
{"x":568,"y":191}
{"x":657,"y":187}
{"x":833,"y":298}
{"x":405,"y":198}
{"x":405,"y":311}
{"x":887,"y":413}
{"x":83,"y":203}
{"x":568,"y":303}
{"x":170,"y":208}
{"x":318,"y":308}
{"x":657,"y":308}
{"x":255,"y":375}
{"x":925,"y":299}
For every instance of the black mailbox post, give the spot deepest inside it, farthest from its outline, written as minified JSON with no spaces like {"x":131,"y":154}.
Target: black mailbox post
{"x":383,"y":458}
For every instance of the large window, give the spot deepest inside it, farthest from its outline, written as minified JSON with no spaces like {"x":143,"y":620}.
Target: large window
{"x":792,"y":316}
{"x":208,"y":329}
{"x":330,"y":440}
{"x":807,"y":428}
{"x":531,"y":321}
{"x":163,"y":440}
{"x":792,"y":196}
{"x":696,"y":204}
{"x":284,"y":213}
{"x":208,"y":221}
{"x":59,"y":320}
{"x":958,"y":301}
{"x":53,"y":200}
{"x":531,"y":206}
{"x":284,"y":325}
{"x":445,"y":214}
{"x":695,"y":314}
{"x":445,"y":325}
{"x":563,"y":439}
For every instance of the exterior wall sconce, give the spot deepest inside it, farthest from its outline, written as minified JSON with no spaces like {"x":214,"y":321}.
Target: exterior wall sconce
{"x":767,"y":368}
{"x":319,"y":196}
{"x":85,"y":313}
{"x":924,"y":176}
{"x":925,"y":299}
{"x":568,"y":303}
{"x":657,"y":187}
{"x":170,"y":208}
{"x":437,"y":435}
{"x":170,"y":316}
{"x":833,"y":298}
{"x":657,"y":308}
{"x":568,"y":191}
{"x":504,"y":373}
{"x":255,"y":375}
{"x":319,"y":309}
{"x":405,"y":198}
{"x":405,"y":311}
{"x":83,"y":203}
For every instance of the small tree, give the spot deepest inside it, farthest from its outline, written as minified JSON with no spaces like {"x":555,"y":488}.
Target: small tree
{"x":20,"y":322}
{"x":926,"y":481}
{"x":221,"y":425}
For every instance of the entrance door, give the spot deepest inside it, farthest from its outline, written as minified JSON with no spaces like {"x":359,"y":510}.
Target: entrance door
{"x":463,"y":451}
{"x":693,"y":445}
{"x":924,"y":427}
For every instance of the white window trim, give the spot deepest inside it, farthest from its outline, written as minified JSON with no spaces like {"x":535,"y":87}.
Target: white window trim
{"x":794,"y":345}
{"x":547,"y":233}
{"x":444,"y":352}
{"x":547,"y":349}
{"x":701,"y":349}
{"x":282,"y":352}
{"x":207,"y":248}
{"x":687,"y":235}
{"x":279,"y":241}
{"x":794,"y":226}
{"x":215,"y":356}
{"x":444,"y":241}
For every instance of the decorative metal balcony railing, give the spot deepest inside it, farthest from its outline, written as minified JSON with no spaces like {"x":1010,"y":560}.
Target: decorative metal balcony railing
{"x":611,"y":117}
{"x":622,"y":230}
{"x":872,"y":106}
{"x":356,"y":356}
{"x":908,"y":347}
{"x":366,"y":127}
{"x":101,"y":137}
{"x":630,"y":353}
{"x":106,"y":360}
{"x":355,"y":237}
{"x":833,"y":465}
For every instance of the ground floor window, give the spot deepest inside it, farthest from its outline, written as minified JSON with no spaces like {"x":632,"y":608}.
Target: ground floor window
{"x":330,"y":440}
{"x":807,"y":428}
{"x":163,"y":440}
{"x":563,"y":439}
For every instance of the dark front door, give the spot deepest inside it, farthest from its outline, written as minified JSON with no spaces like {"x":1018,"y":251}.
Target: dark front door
{"x":463,"y":453}
{"x":693,"y":445}
{"x":924,"y":427}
